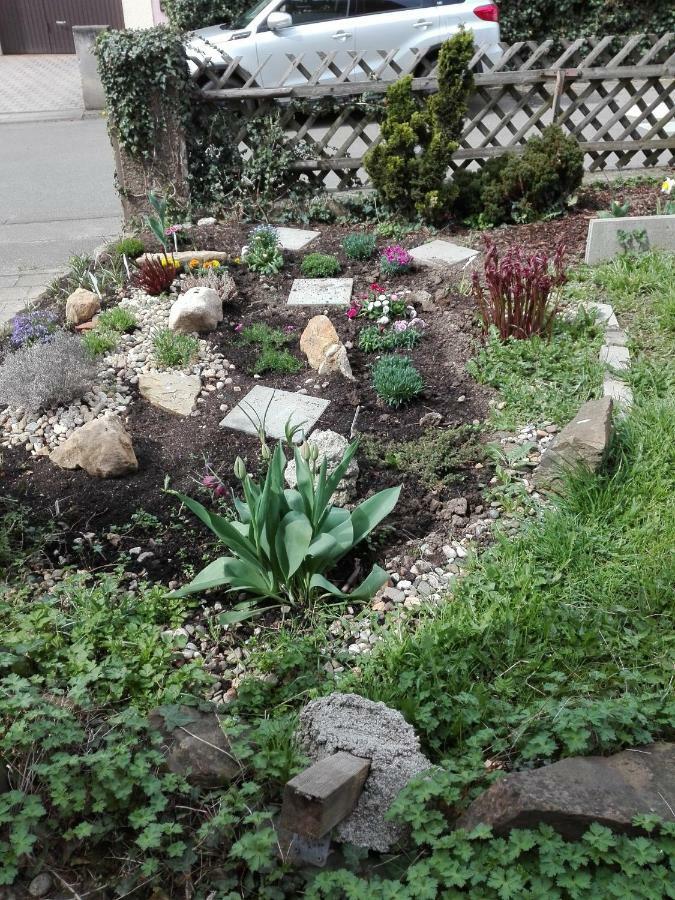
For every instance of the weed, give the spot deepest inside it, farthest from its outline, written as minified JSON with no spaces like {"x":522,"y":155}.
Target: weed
{"x":271,"y":359}
{"x":99,"y":341}
{"x":273,"y":356}
{"x":173,"y":350}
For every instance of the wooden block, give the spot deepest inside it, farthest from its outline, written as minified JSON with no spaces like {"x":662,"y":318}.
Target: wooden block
{"x":323,"y":795}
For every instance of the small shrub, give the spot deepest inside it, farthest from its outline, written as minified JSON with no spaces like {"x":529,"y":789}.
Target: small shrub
{"x":130,"y":247}
{"x":117,"y":319}
{"x":373,"y":340}
{"x":523,"y":188}
{"x":319,"y":265}
{"x":260,"y":333}
{"x":99,"y":341}
{"x":522,"y":291}
{"x":359,"y":246}
{"x":32,"y":328}
{"x":396,"y":380}
{"x":209,"y":278}
{"x":173,"y":350}
{"x":395,"y":260}
{"x":273,"y":360}
{"x":41,"y":376}
{"x":156,"y":275}
{"x":263,"y":254}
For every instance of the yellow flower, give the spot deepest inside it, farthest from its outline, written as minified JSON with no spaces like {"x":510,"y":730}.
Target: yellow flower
{"x":236,"y":260}
{"x":215,"y":264}
{"x":668,"y":185}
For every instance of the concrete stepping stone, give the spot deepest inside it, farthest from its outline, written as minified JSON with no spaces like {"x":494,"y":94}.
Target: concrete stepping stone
{"x":171,"y":391}
{"x":442,"y":253}
{"x":321,"y":292}
{"x":296,"y":238}
{"x":615,"y":357}
{"x":274,"y":408}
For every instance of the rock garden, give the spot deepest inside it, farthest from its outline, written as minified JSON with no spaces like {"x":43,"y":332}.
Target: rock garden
{"x":336,"y":556}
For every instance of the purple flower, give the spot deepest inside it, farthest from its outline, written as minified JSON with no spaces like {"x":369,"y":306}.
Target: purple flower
{"x":211,"y":482}
{"x":173,"y":229}
{"x":397,"y":255}
{"x":33,"y":327}
{"x":239,"y":327}
{"x":400,"y":326}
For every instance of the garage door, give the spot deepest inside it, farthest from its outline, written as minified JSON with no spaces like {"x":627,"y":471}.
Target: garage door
{"x":44,"y":26}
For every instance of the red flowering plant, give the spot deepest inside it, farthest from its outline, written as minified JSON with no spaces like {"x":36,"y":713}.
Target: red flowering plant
{"x":522,"y":291}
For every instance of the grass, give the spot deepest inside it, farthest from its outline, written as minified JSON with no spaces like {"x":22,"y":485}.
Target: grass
{"x":97,"y":342}
{"x":173,"y":350}
{"x":541,"y":380}
{"x":273,"y":356}
{"x":117,"y":319}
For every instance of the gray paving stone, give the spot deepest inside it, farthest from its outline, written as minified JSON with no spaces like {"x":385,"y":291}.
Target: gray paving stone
{"x":296,"y":238}
{"x":616,"y":337}
{"x":275,"y":408}
{"x":604,"y":313}
{"x":615,"y":357}
{"x":619,"y":391}
{"x":442,"y":253}
{"x":321,"y":292}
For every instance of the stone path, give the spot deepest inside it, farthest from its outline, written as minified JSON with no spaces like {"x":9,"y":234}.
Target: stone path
{"x":17,"y":289}
{"x":296,"y":238}
{"x":442,"y":253}
{"x":274,"y":409}
{"x":321,"y":292}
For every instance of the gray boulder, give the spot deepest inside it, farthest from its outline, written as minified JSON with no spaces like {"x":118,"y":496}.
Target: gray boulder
{"x":584,"y":441}
{"x":372,"y":731}
{"x":571,"y":794}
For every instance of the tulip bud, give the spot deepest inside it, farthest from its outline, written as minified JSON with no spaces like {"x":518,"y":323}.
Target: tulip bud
{"x":265,"y":452}
{"x":313,"y":452}
{"x":239,"y":468}
{"x":305,"y":451}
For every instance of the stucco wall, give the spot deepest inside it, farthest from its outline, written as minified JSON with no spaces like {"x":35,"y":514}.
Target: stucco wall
{"x":137,"y":13}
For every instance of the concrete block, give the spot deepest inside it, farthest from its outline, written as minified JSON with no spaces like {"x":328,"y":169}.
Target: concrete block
{"x":442,"y":253}
{"x":274,"y":408}
{"x":615,"y":357}
{"x":296,"y":238}
{"x":604,"y":235}
{"x":84,"y":37}
{"x":321,"y":292}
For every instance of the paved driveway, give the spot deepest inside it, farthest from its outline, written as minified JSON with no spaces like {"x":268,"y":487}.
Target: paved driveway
{"x":39,"y":85}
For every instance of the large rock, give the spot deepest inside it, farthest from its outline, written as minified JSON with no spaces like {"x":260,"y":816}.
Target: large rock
{"x":195,"y":746}
{"x":323,"y":348}
{"x":101,"y":447}
{"x":81,"y":306}
{"x":331,"y":447}
{"x":571,"y":794}
{"x":199,"y":309}
{"x":583,"y":441}
{"x":171,"y":391}
{"x":372,"y":731}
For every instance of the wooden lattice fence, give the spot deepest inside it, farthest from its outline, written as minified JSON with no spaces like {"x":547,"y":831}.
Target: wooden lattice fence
{"x":615,"y":95}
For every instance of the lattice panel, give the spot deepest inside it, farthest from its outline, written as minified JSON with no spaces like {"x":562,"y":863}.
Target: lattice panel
{"x":615,"y":95}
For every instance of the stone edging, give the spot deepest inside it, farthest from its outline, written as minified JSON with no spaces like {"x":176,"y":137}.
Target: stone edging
{"x":614,"y":354}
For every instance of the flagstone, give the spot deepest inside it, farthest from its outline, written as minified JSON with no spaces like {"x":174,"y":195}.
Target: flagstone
{"x":275,"y":408}
{"x":296,"y":238}
{"x":321,"y":292}
{"x":442,"y":253}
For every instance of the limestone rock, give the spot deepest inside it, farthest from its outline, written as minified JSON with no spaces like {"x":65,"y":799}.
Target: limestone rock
{"x":199,"y":309}
{"x":102,"y":448}
{"x":171,"y":391}
{"x":184,"y":256}
{"x":82,"y":306}
{"x":331,"y":447}
{"x":196,"y":747}
{"x":373,"y":731}
{"x":323,"y":348}
{"x":583,"y":441}
{"x":571,"y":794}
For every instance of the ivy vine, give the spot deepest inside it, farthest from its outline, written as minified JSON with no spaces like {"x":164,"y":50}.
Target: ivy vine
{"x":188,"y":15}
{"x":136,"y":68}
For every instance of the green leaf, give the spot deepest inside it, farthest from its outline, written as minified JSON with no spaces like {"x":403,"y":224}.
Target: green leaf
{"x":292,"y":541}
{"x":371,"y":512}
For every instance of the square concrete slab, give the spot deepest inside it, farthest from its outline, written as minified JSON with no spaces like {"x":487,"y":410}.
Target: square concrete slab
{"x":296,"y":238}
{"x":321,"y":292}
{"x":442,"y":253}
{"x":275,"y":408}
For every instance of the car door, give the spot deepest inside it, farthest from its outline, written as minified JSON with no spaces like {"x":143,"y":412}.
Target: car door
{"x":386,"y":25}
{"x":319,"y":26}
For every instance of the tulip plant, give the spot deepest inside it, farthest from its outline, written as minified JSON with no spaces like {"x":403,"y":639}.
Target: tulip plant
{"x":286,"y":540}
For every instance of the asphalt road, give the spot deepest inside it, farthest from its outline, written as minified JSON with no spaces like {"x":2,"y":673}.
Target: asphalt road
{"x":56,"y":199}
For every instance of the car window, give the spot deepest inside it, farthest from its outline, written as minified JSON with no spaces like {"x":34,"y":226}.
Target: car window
{"x":306,"y":12}
{"x":372,"y":7}
{"x":245,"y":18}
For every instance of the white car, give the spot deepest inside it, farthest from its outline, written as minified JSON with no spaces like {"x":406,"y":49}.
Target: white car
{"x":272,"y":31}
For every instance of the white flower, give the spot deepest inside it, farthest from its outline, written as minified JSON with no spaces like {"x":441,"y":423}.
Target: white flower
{"x":244,"y":251}
{"x":377,"y":303}
{"x":667,"y":186}
{"x":383,"y":320}
{"x":412,"y":312}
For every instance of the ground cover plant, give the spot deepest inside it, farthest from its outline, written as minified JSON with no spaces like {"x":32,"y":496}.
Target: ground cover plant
{"x":273,"y":355}
{"x":130,"y":247}
{"x":173,"y":349}
{"x":396,"y":380}
{"x":395,"y":260}
{"x":262,"y":254}
{"x":374,"y":339}
{"x":32,"y":327}
{"x":359,"y":246}
{"x":320,"y":265}
{"x":117,"y":319}
{"x":99,"y":341}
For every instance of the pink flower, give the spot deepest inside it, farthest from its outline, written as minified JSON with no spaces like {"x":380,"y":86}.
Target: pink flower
{"x":353,"y":310}
{"x":400,"y":326}
{"x":376,"y":288}
{"x":239,"y":327}
{"x":173,"y":229}
{"x":220,"y":490}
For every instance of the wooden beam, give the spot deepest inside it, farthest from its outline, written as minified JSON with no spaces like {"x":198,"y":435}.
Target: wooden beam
{"x":319,"y":798}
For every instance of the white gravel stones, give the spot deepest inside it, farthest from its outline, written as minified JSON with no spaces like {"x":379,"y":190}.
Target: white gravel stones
{"x":273,"y":409}
{"x":321,"y":292}
{"x":118,"y":371}
{"x":442,"y":253}
{"x":331,"y":447}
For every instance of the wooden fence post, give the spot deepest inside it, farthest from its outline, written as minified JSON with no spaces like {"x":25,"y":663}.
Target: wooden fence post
{"x":164,"y":171}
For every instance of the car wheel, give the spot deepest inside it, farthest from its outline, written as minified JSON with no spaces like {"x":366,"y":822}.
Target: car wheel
{"x":427,"y":65}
